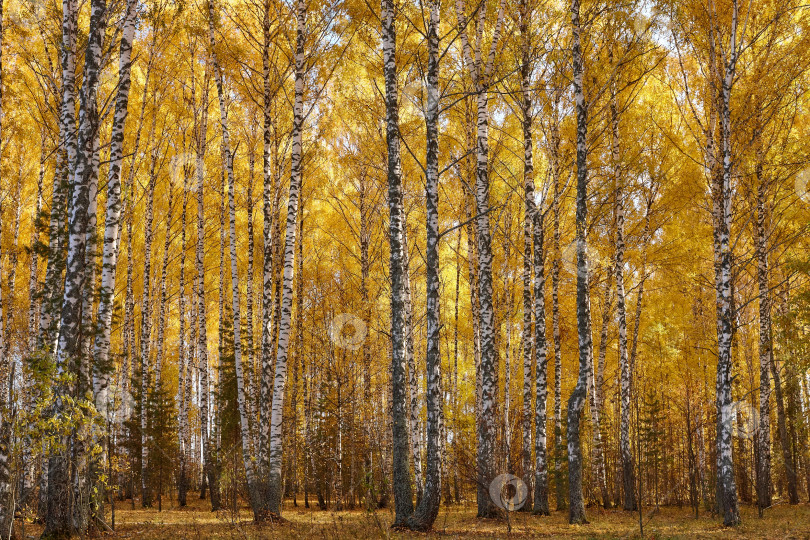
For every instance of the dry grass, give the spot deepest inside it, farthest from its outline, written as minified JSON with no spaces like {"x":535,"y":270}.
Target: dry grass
{"x":197,"y":522}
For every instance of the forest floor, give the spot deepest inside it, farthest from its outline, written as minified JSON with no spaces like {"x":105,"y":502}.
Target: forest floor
{"x":197,"y":522}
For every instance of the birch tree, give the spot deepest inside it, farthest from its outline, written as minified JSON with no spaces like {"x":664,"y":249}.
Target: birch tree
{"x":721,"y":214}
{"x":541,"y":365}
{"x":428,"y":507}
{"x":625,"y":452}
{"x":276,"y":417}
{"x":6,"y":511}
{"x":577,"y":400}
{"x":62,"y":517}
{"x":244,"y":420}
{"x":528,"y":219}
{"x":403,"y":502}
{"x":113,"y":211}
{"x":481,"y":64}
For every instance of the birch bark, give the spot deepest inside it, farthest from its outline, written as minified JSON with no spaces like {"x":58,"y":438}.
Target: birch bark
{"x":403,"y":503}
{"x":578,"y":396}
{"x":763,"y":442}
{"x":541,"y":369}
{"x":109,"y":260}
{"x":276,"y":417}
{"x":721,"y":213}
{"x":428,"y":507}
{"x":528,"y":211}
{"x":481,"y":70}
{"x":62,"y":517}
{"x":625,"y":452}
{"x":244,"y":419}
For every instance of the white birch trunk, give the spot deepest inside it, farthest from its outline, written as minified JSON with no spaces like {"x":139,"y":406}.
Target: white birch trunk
{"x":161,"y":333}
{"x":576,"y":402}
{"x":541,"y":369}
{"x":109,"y":261}
{"x":625,"y":452}
{"x":244,"y":419}
{"x":403,"y":502}
{"x":428,"y":507}
{"x":146,"y":328}
{"x":275,"y":442}
{"x":721,"y":210}
{"x":481,"y":74}
{"x":62,"y":516}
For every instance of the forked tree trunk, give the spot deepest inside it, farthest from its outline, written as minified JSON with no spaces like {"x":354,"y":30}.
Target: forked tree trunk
{"x":403,"y":502}
{"x":428,"y":507}
{"x":64,"y":518}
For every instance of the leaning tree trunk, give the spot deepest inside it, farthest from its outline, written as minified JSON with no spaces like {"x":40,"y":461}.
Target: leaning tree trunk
{"x":276,"y":417}
{"x":403,"y":502}
{"x":577,"y":400}
{"x":428,"y":507}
